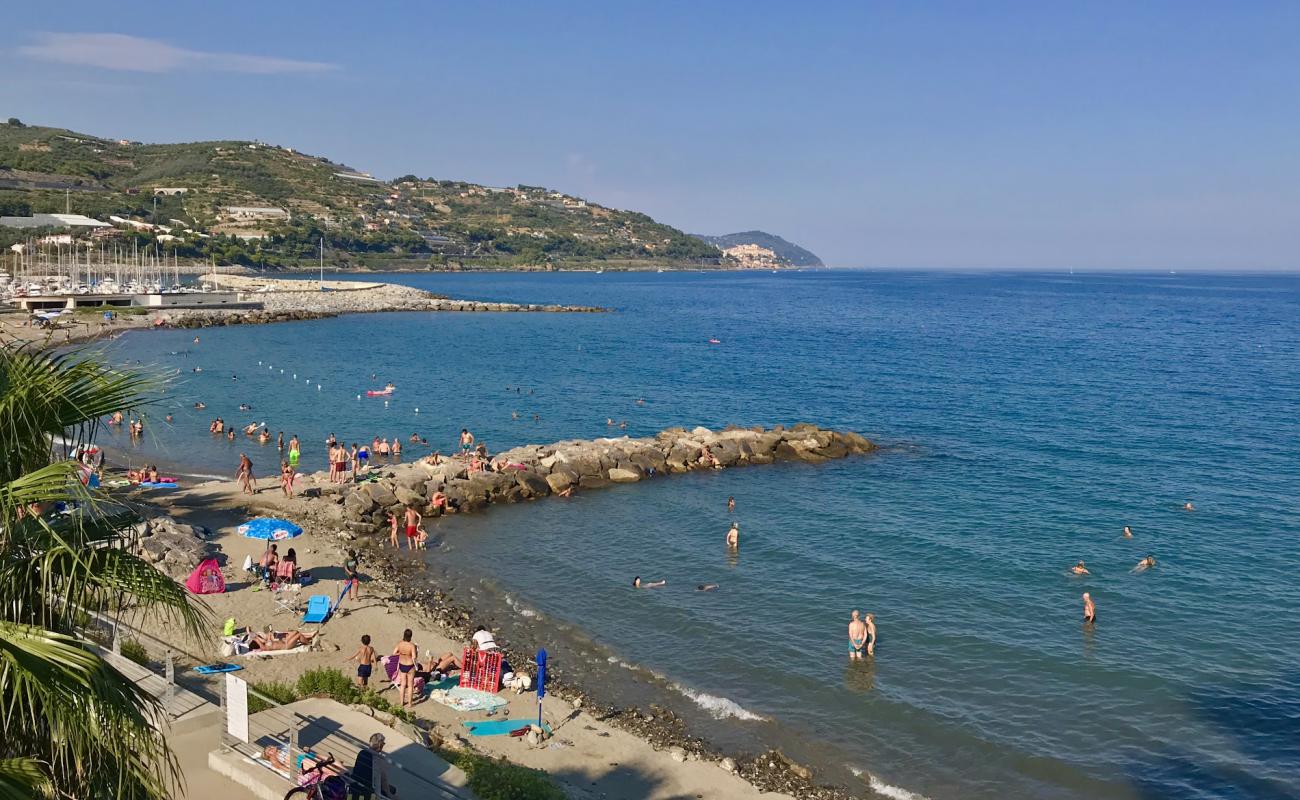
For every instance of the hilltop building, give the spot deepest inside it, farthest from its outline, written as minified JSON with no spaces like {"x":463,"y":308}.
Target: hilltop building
{"x":52,"y":221}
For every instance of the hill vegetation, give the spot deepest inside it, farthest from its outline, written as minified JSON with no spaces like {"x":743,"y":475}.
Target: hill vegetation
{"x":364,"y":221}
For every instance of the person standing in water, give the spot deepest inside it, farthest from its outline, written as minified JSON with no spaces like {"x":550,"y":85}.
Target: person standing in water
{"x":413,"y":519}
{"x":733,"y":535}
{"x":857,"y":635}
{"x":871,"y":634}
{"x":731,"y":504}
{"x":1128,"y":533}
{"x":245,"y":474}
{"x":1089,"y":609}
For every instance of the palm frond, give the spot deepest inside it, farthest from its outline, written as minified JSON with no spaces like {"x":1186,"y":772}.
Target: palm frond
{"x":23,"y":779}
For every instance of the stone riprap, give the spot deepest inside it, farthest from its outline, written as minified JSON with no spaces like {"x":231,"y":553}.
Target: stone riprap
{"x":171,"y":546}
{"x":354,"y":297}
{"x":535,"y":471}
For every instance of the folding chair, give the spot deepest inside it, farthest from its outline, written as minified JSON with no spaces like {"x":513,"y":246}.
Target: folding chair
{"x":318,"y":609}
{"x":281,"y":604}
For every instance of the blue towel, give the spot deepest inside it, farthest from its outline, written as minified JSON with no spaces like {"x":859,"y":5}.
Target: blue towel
{"x":498,"y":727}
{"x":213,"y":669}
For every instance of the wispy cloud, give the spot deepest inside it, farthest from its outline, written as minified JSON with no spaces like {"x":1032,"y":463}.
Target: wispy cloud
{"x":135,"y":54}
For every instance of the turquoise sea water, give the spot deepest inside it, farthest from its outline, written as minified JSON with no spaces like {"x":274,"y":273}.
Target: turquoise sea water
{"x":1024,"y":420}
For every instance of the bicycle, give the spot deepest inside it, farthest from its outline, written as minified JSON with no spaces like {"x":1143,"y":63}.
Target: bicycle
{"x":328,"y":787}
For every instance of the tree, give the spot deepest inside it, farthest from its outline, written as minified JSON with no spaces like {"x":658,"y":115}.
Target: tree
{"x":15,"y":122}
{"x":74,"y":727}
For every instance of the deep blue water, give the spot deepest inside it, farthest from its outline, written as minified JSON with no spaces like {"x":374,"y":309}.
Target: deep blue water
{"x":1025,"y":419}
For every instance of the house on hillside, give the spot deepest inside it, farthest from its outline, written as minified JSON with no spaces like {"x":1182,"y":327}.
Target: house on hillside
{"x":254,"y":213}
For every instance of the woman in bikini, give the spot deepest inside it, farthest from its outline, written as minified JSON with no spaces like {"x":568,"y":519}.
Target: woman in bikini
{"x":406,"y":653}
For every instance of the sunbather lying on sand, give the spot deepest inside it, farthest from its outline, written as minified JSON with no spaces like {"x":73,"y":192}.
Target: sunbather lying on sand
{"x":280,"y":640}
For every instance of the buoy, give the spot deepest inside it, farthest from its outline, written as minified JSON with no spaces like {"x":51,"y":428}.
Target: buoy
{"x":358,"y":397}
{"x":385,"y":404}
{"x":417,"y":411}
{"x":295,"y":376}
{"x":318,"y":387}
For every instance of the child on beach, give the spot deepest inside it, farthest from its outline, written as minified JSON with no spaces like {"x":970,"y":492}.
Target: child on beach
{"x":351,"y":568}
{"x":392,"y":531}
{"x":365,"y":658}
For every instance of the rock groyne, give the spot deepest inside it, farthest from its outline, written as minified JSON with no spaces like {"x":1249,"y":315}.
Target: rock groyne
{"x":279,"y":296}
{"x":534,"y":471}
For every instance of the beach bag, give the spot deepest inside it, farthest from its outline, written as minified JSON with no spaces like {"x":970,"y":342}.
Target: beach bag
{"x":248,"y":563}
{"x":228,"y":629}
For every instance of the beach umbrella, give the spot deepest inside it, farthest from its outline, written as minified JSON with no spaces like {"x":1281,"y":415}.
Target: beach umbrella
{"x":269,"y":528}
{"x":541,"y":683}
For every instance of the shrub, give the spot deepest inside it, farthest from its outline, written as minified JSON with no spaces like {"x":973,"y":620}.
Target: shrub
{"x":498,"y":779}
{"x":279,"y":692}
{"x":329,"y":682}
{"x":135,"y":651}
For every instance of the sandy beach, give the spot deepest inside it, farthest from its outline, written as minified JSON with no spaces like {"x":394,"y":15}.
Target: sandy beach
{"x":588,"y":756}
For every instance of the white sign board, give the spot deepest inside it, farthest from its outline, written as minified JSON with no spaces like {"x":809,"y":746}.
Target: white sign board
{"x":237,"y":707}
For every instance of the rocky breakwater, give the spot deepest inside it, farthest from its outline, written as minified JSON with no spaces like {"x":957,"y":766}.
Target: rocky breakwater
{"x":173,"y":547}
{"x":534,"y":471}
{"x":354,"y":297}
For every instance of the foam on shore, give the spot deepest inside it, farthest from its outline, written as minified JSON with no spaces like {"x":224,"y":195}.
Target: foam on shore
{"x":719,"y":707}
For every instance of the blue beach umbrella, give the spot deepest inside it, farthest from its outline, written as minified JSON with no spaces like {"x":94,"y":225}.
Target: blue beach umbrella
{"x":270,"y":529}
{"x":541,"y":683}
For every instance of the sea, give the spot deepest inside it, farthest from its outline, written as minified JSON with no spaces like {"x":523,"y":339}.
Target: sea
{"x":1023,"y":421}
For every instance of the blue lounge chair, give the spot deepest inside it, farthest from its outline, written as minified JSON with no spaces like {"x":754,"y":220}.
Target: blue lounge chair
{"x":318,"y":609}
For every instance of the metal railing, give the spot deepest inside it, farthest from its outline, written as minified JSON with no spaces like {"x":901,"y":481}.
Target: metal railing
{"x":283,"y":729}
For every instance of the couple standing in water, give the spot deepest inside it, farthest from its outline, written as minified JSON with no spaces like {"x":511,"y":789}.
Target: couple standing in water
{"x":862,"y":635}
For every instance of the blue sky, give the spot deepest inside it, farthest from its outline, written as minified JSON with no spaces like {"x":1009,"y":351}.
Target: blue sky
{"x":908,"y":134}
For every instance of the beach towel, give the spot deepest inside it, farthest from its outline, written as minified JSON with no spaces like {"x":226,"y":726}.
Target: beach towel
{"x":214,"y":669}
{"x":206,"y":578}
{"x":304,"y":648}
{"x":467,"y":699}
{"x":498,"y":727}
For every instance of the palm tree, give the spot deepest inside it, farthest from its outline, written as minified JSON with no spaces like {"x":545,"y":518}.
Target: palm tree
{"x":73,"y":726}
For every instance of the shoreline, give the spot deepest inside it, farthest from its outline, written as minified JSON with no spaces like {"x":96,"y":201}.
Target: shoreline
{"x":657,"y":730}
{"x":287,"y":300}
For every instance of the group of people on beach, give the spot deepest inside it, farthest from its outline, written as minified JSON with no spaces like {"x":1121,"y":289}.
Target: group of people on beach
{"x":410,"y":668}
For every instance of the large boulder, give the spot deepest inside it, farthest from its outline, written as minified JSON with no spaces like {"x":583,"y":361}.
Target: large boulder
{"x":408,"y":497}
{"x":380,"y":493}
{"x":561,"y":479}
{"x":532,"y":484}
{"x":358,"y":504}
{"x":593,"y":482}
{"x":619,"y":475}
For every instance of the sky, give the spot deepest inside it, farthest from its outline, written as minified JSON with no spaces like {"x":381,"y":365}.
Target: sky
{"x":990,"y":135}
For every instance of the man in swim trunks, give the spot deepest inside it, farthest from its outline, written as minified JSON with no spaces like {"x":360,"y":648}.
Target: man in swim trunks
{"x":1080,"y":569}
{"x":413,"y":520}
{"x":466,"y":440}
{"x":1089,"y":609}
{"x":733,"y":535}
{"x":857,"y":635}
{"x":365,"y":658}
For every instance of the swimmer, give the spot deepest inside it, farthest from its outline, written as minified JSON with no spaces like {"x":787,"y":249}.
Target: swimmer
{"x":196,"y":340}
{"x":1128,"y":533}
{"x":200,"y":406}
{"x":731,"y":504}
{"x":1188,"y":506}
{"x":1145,"y":564}
{"x":733,"y":535}
{"x":168,"y":417}
{"x":1080,"y":569}
{"x":1089,"y":609}
{"x":609,"y":421}
{"x":637,"y":584}
{"x":706,"y":587}
{"x":857,"y":635}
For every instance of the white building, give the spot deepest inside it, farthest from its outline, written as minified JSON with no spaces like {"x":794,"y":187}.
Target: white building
{"x":255,"y":213}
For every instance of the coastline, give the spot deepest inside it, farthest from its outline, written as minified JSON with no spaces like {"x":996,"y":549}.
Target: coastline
{"x":653,"y":738}
{"x":279,"y":300}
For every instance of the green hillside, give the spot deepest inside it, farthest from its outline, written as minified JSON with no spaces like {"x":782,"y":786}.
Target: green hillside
{"x":365,"y":222}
